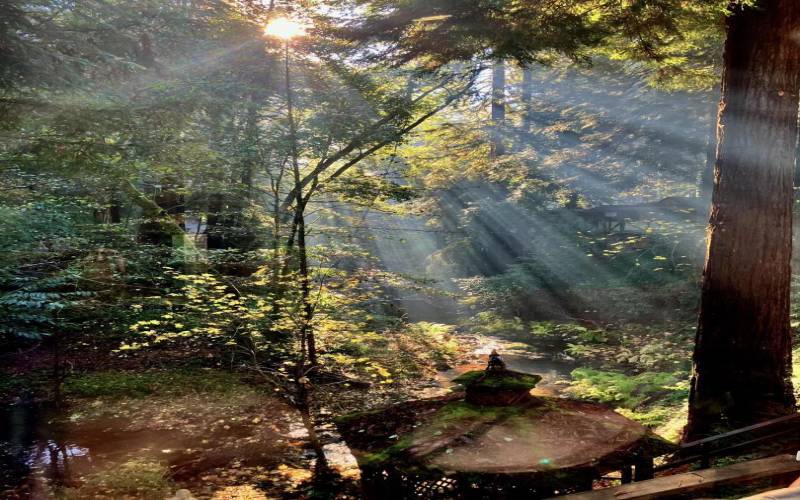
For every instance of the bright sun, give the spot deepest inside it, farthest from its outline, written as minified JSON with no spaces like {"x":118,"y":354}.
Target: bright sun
{"x":284,"y":28}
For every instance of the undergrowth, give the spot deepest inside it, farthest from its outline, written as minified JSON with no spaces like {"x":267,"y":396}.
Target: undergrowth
{"x":118,"y":384}
{"x":136,"y":478}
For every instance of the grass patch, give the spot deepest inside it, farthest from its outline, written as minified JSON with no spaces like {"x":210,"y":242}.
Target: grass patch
{"x":136,"y":478}
{"x":118,"y":384}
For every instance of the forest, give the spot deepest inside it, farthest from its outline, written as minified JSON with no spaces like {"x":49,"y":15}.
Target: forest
{"x":345,"y":249}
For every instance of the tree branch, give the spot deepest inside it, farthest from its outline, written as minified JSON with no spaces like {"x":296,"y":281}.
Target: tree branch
{"x":356,"y":142}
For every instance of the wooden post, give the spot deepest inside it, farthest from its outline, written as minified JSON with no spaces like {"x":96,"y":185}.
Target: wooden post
{"x":627,"y":474}
{"x":705,"y":457}
{"x":644,"y":468}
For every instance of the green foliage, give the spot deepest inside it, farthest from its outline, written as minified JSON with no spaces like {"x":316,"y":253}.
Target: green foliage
{"x":202,"y":308}
{"x":628,"y":391}
{"x":24,"y":386}
{"x":405,"y":351}
{"x":41,"y":243}
{"x":491,"y":323}
{"x":678,"y":42}
{"x":439,"y":32}
{"x":122,"y":384}
{"x":480,"y":379}
{"x":438,"y":340}
{"x":542,"y":281}
{"x":131,"y":128}
{"x":668,"y":418}
{"x":37,"y":309}
{"x":552,"y":329}
{"x":541,"y":333}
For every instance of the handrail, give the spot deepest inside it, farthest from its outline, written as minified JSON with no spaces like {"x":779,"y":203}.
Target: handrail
{"x":704,"y":457}
{"x":704,"y":449}
{"x":742,"y":430}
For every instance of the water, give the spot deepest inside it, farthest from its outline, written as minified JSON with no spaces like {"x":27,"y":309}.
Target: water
{"x":30,"y":443}
{"x":34,"y":449}
{"x":555,"y":373}
{"x":43,"y":447}
{"x":40,"y":447}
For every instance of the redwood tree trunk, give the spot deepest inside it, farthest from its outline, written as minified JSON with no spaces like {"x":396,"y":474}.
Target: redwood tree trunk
{"x":707,"y":174}
{"x":742,"y":359}
{"x":498,"y":108}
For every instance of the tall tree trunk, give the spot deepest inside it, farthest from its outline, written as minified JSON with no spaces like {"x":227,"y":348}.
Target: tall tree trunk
{"x":306,"y":334}
{"x":742,"y":359}
{"x":306,"y":328}
{"x":164,"y":224}
{"x":707,"y":174}
{"x":498,"y":108}
{"x":251,"y":143}
{"x":527,"y":98}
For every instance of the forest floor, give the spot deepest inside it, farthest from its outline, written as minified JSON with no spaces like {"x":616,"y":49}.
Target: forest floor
{"x":134,"y":430}
{"x":128,"y":430}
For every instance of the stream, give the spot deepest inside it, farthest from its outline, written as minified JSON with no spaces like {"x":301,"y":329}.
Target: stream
{"x":555,"y":372}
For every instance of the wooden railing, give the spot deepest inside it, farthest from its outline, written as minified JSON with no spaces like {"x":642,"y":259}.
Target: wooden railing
{"x":773,"y":437}
{"x":692,"y":484}
{"x":782,"y":432}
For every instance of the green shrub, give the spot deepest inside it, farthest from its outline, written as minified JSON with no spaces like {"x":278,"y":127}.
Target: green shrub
{"x":628,"y":391}
{"x":137,"y":385}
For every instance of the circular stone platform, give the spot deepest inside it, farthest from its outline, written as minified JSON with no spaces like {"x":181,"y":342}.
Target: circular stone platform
{"x":454,"y":435}
{"x":435,"y":442}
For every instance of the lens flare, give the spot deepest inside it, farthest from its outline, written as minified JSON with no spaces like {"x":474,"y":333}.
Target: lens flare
{"x":284,"y":28}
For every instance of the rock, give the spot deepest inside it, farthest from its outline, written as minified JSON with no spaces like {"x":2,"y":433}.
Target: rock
{"x":182,"y":494}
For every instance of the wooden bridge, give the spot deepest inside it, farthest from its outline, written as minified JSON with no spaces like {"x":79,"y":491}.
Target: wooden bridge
{"x":614,"y":218}
{"x":773,"y":436}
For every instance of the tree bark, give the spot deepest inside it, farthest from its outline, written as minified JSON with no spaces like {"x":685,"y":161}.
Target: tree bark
{"x":307,"y":336}
{"x":707,"y":175}
{"x":498,"y":108}
{"x":527,"y":98}
{"x":742,"y":358}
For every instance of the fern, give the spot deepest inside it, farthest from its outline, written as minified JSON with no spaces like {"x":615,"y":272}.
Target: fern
{"x":31,"y":312}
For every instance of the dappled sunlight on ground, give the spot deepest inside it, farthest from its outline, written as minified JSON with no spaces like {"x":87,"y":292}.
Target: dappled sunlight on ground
{"x":245,"y":492}
{"x":238,"y":445}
